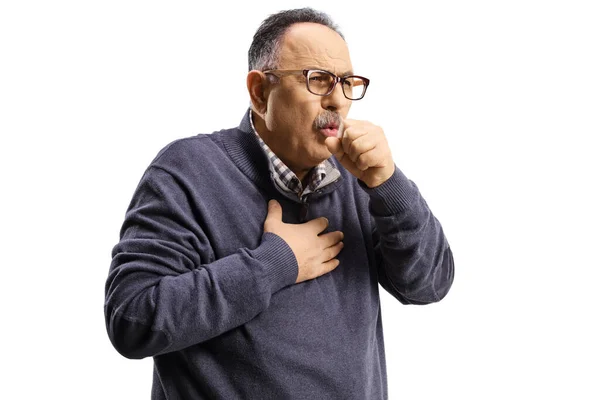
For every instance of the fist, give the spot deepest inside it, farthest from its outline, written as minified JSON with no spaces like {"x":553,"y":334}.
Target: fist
{"x":364,"y":151}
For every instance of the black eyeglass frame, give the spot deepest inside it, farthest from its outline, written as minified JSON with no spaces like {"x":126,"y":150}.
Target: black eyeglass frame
{"x":336,"y":79}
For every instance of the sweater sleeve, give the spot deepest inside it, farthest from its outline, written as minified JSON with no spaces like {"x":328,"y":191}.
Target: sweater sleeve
{"x":414,"y":260}
{"x":165,"y":292}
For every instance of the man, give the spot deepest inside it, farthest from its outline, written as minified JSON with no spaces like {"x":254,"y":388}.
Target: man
{"x":250,"y":258}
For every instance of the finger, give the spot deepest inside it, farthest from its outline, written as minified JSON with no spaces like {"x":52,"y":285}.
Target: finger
{"x":331,"y":238}
{"x":361,"y":145}
{"x":274,"y":214}
{"x":318,"y":224}
{"x":348,"y":122}
{"x":332,"y":252}
{"x":369,"y":159}
{"x":349,"y":165}
{"x":329,"y":266}
{"x":334,"y":145}
{"x":350,"y":135}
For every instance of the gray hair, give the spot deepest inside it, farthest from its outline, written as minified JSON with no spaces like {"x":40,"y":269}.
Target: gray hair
{"x":266,"y":45}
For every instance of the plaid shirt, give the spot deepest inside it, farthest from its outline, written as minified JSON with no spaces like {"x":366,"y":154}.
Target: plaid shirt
{"x":290,"y":181}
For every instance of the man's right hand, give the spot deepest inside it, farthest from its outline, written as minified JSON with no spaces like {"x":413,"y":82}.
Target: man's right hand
{"x":314,"y":253}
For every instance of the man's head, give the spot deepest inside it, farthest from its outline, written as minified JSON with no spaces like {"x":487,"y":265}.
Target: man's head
{"x":287,"y":115}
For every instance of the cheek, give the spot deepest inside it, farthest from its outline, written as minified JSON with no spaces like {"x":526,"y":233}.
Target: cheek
{"x":344,"y":111}
{"x":292,"y":111}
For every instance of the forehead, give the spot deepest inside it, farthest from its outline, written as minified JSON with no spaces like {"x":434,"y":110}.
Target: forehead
{"x":309,"y":45}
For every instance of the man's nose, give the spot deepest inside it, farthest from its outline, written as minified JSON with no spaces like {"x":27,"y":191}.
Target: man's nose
{"x":336,"y":99}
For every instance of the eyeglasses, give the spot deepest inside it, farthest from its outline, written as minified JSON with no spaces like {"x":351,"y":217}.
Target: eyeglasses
{"x":322,"y":83}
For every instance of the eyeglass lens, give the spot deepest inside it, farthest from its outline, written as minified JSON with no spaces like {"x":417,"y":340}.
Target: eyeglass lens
{"x":321,"y":83}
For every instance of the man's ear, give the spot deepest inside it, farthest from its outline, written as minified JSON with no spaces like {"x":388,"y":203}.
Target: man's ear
{"x":257,"y":83}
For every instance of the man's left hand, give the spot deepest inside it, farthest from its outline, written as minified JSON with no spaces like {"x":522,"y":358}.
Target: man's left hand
{"x":364,"y":151}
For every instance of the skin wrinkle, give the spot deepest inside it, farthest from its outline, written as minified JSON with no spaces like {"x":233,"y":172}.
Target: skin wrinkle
{"x":287,"y":122}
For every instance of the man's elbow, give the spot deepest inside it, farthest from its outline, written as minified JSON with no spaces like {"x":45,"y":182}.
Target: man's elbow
{"x":436,"y":286}
{"x":133,"y":339}
{"x":445,"y":275}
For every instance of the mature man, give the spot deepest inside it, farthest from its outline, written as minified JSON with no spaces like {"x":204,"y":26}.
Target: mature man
{"x":250,"y":258}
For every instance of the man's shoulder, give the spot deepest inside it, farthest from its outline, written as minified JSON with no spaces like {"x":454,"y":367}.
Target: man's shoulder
{"x":191,"y":150}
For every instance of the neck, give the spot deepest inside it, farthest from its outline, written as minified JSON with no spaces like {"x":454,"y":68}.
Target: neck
{"x":266,"y":135}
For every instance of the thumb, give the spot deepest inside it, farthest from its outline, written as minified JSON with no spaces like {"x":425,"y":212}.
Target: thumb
{"x":334,"y":145}
{"x":274,"y":214}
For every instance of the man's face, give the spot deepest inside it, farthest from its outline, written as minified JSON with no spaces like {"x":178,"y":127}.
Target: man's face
{"x":291,"y":109}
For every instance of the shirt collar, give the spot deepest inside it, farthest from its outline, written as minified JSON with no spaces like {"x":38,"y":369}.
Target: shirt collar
{"x":320,"y":176}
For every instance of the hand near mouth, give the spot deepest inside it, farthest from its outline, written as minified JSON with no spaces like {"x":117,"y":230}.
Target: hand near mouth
{"x":364,"y":151}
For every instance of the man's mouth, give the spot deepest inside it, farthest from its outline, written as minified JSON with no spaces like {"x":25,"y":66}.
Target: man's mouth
{"x":329,"y":124}
{"x":330,"y":130}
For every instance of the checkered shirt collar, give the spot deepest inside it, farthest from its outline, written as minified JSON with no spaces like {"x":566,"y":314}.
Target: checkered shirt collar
{"x":287,"y":178}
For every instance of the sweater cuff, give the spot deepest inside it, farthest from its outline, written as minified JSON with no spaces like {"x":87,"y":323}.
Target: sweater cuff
{"x":281,"y":266}
{"x":393,"y":196}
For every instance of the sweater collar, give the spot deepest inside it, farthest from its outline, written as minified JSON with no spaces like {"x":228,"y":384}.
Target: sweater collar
{"x":246,"y":153}
{"x":250,"y":158}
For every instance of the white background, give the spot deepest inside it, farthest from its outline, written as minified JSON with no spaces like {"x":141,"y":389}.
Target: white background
{"x":491,"y":107}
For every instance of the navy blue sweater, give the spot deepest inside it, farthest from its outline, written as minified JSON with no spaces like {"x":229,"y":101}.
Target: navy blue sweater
{"x":196,"y":283}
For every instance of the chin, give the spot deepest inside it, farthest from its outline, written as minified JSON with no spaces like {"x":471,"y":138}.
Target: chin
{"x":320,"y":155}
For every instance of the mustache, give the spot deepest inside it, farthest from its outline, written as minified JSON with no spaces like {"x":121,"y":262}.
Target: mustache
{"x":328,"y":118}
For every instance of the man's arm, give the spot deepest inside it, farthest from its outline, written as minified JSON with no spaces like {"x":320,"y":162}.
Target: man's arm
{"x":165,"y":292}
{"x":414,"y":261}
